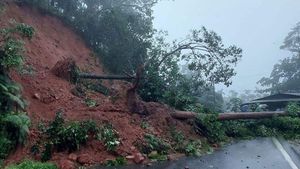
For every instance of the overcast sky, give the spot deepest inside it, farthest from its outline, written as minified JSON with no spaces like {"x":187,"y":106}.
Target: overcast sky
{"x":257,"y":26}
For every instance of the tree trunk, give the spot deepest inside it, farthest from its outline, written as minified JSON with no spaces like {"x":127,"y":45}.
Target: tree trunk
{"x":107,"y":77}
{"x":231,"y":116}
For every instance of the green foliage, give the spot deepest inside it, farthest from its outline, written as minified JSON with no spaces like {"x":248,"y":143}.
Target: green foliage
{"x":293,"y":108}
{"x":144,"y":125}
{"x":25,"y":30}
{"x":109,"y":136}
{"x":61,"y":136}
{"x":68,"y":137}
{"x":5,"y":147}
{"x":14,"y":124}
{"x":11,"y":51}
{"x":120,"y":31}
{"x":155,"y":156}
{"x":209,"y":126}
{"x":10,"y":95}
{"x":32,"y":165}
{"x":153,"y":143}
{"x":285,"y":76}
{"x":17,"y":123}
{"x":119,"y":161}
{"x":192,"y":148}
{"x":47,"y":153}
{"x":95,"y":85}
{"x":177,"y":136}
{"x":90,"y":102}
{"x":11,"y":56}
{"x":234,"y":104}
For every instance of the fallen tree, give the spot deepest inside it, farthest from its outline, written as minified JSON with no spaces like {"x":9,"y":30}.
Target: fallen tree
{"x":231,"y":115}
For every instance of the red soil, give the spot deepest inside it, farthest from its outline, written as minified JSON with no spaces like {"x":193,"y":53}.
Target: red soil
{"x":47,"y":93}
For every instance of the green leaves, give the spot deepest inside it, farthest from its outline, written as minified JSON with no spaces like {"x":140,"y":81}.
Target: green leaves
{"x":26,"y":30}
{"x":9,"y":94}
{"x":11,"y":56}
{"x":109,"y":136}
{"x":32,"y":165}
{"x":19,"y":121}
{"x":285,"y":76}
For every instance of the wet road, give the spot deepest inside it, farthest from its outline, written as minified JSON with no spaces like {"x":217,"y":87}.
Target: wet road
{"x":262,"y":153}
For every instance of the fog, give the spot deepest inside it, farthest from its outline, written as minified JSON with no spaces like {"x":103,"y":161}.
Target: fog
{"x":257,"y":26}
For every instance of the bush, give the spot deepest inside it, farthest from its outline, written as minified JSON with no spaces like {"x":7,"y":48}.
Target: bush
{"x":11,"y":56}
{"x":153,"y":143}
{"x":119,"y":161}
{"x":60,"y":136}
{"x":32,"y":165}
{"x":209,"y":126}
{"x":293,"y":108}
{"x":5,"y":147}
{"x":192,"y":148}
{"x":109,"y":136}
{"x":25,"y":30}
{"x":68,"y":137}
{"x":14,"y":125}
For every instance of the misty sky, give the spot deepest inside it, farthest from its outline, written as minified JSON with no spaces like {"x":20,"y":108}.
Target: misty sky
{"x":257,"y":26}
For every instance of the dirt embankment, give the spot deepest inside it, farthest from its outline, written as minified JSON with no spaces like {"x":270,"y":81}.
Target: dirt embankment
{"x":47,"y":93}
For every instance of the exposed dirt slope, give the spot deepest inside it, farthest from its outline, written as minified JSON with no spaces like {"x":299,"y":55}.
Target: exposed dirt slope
{"x":47,"y":93}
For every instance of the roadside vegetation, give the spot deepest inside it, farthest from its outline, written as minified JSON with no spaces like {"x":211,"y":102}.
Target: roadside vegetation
{"x":27,"y":164}
{"x":181,"y":74}
{"x":217,"y":131}
{"x":13,"y":120}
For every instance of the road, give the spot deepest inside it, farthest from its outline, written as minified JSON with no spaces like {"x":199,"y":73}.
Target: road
{"x":261,"y":153}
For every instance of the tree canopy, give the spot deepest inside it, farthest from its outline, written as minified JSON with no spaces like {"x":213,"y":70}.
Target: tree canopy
{"x":121,"y":32}
{"x":285,"y":76}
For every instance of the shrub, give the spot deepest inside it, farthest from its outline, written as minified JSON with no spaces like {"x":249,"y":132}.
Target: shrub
{"x":25,"y":30}
{"x":119,"y":161}
{"x":177,"y":137}
{"x":11,"y":56}
{"x":209,"y":126}
{"x":71,"y":136}
{"x":192,"y":148}
{"x":14,"y":125}
{"x":32,"y":165}
{"x":90,"y":102}
{"x":61,"y":136}
{"x":293,"y":108}
{"x":144,"y":125}
{"x":109,"y":136}
{"x":5,"y":147}
{"x":153,"y":143}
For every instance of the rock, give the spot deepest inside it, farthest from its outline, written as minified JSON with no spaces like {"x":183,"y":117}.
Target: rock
{"x":138,"y":158}
{"x":37,"y":96}
{"x":186,"y":167}
{"x":172,"y":157}
{"x":132,"y":148}
{"x":72,"y":157}
{"x":153,"y":153}
{"x":84,"y":159}
{"x":66,"y":164}
{"x":149,"y":164}
{"x":130,"y":157}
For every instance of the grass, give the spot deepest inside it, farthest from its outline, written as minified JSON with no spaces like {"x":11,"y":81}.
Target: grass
{"x":28,"y":164}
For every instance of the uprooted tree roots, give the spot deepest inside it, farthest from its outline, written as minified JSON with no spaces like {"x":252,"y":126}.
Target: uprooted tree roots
{"x":66,"y":69}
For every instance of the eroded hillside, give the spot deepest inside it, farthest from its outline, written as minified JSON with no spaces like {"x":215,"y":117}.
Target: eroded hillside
{"x":47,"y":94}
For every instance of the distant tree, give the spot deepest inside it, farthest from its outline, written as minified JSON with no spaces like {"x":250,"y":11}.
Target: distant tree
{"x":234,"y":104}
{"x":285,"y":76}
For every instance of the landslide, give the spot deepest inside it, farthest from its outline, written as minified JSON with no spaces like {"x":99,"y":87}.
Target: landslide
{"x":46,"y":93}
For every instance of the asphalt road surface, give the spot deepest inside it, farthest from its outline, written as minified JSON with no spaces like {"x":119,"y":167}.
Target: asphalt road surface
{"x":261,"y":153}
